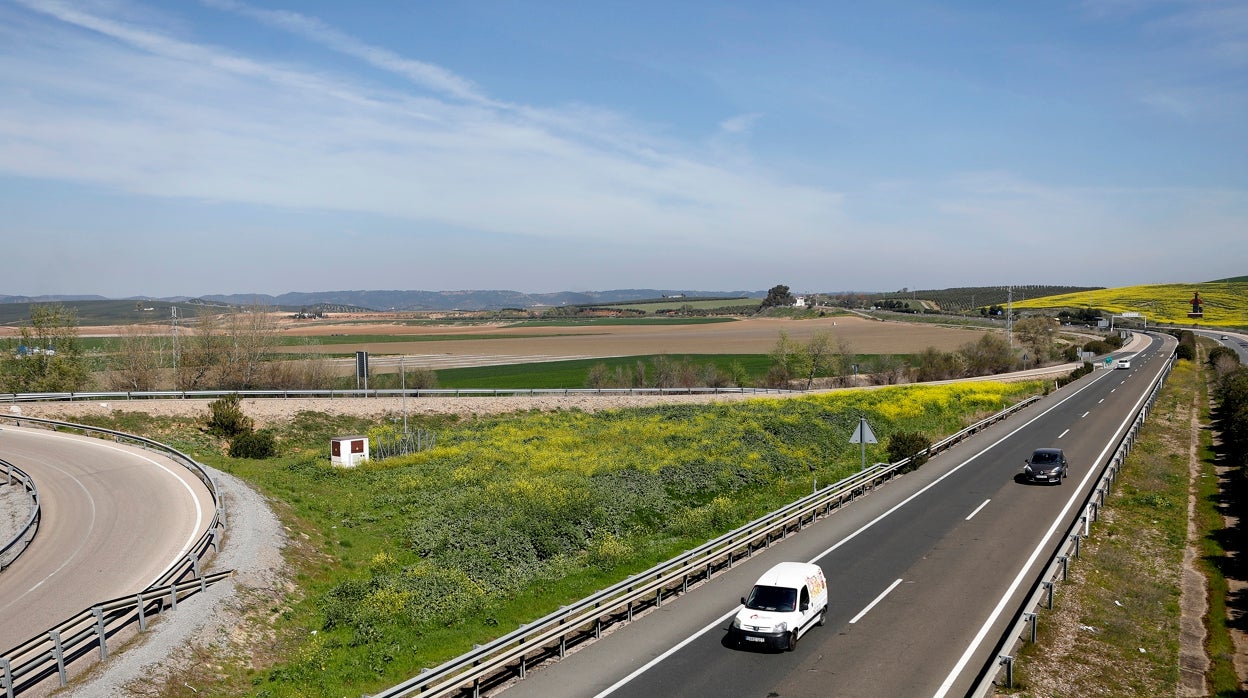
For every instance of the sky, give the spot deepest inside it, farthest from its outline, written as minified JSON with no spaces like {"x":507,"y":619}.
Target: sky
{"x":226,"y":146}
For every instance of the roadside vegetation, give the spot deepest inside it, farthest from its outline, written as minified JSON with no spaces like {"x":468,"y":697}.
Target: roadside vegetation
{"x":1114,"y":629}
{"x":404,"y":563}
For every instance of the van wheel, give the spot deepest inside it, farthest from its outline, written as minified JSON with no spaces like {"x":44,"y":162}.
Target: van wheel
{"x":823,"y":616}
{"x":792,"y":641}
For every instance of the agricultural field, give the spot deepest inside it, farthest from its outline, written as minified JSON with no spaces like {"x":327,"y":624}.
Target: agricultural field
{"x":1225,"y":303}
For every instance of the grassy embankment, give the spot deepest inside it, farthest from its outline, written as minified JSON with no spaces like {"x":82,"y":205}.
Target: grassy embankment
{"x":1115,"y":626}
{"x":403,"y":564}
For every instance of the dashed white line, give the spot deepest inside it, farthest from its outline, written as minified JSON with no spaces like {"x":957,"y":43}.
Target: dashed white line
{"x":1063,"y":434}
{"x":981,"y":506}
{"x":1085,"y":414}
{"x":871,"y":605}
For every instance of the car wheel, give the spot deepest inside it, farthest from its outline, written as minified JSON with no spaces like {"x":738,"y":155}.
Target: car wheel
{"x":823,"y":616}
{"x":792,"y":641}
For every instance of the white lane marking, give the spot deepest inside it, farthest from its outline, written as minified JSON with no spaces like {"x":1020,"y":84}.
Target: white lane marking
{"x":1022,"y":572}
{"x":646,"y":667}
{"x":1100,"y":401}
{"x":977,"y":509}
{"x":641,"y":670}
{"x":1085,"y":414}
{"x":1059,"y":436}
{"x":871,"y":605}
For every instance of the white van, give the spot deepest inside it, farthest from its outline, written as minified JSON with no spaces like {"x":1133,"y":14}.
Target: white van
{"x":787,"y":600}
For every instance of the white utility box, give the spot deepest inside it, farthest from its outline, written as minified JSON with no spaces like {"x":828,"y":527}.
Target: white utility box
{"x":348,"y":451}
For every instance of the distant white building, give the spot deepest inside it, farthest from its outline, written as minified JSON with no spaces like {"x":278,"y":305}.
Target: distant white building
{"x":800,"y":302}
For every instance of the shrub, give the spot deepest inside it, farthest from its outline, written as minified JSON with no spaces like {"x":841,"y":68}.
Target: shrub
{"x":1185,"y":351}
{"x":908,"y":444}
{"x":254,"y":444}
{"x":227,"y":418}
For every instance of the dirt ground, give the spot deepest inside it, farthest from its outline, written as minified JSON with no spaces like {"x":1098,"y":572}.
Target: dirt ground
{"x":746,"y":336}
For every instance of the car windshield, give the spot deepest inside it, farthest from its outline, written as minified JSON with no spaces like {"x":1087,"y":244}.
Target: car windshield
{"x":764,"y":598}
{"x":1045,"y":457}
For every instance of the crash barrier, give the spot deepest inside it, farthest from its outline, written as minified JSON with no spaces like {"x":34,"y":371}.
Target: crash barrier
{"x":551,"y":636}
{"x":16,"y":398}
{"x":13,"y":476}
{"x":50,"y":654}
{"x":999,"y":671}
{"x":67,"y":640}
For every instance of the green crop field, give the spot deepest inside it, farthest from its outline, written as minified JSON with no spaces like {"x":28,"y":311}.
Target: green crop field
{"x":618,"y":321}
{"x":678,"y":303}
{"x":1225,"y":303}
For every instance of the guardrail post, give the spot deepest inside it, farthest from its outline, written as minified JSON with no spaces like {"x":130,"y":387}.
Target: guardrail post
{"x":7,"y":677}
{"x":58,"y":653}
{"x":1065,"y":559}
{"x":142,"y":613}
{"x":203,"y":584}
{"x":1008,"y":661}
{"x":100,"y":630}
{"x":173,"y":597}
{"x":1076,"y":537}
{"x":1032,"y":620}
{"x":1048,"y":588}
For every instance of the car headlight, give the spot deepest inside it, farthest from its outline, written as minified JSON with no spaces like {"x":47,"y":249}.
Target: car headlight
{"x":782,"y":627}
{"x":736,"y":623}
{"x":1026,"y":468}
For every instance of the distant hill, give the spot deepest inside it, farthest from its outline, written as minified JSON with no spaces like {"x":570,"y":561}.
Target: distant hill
{"x":459,"y":300}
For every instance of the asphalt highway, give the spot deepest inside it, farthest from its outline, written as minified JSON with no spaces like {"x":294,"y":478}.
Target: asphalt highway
{"x":114,"y":518}
{"x":924,"y":574}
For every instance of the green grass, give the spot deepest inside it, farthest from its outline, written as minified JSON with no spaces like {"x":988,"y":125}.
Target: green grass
{"x":572,"y":374}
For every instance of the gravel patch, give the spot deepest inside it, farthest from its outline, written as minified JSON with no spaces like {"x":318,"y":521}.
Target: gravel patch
{"x":14,"y":513}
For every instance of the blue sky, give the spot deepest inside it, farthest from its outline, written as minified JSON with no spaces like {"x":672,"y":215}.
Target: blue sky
{"x":220,"y":146}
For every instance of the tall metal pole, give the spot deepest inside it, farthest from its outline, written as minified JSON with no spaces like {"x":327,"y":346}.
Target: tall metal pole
{"x":403,"y":387}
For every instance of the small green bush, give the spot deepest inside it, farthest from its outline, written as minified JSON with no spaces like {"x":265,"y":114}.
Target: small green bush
{"x":227,"y":418}
{"x":254,"y":444}
{"x":908,"y":444}
{"x":1185,"y":351}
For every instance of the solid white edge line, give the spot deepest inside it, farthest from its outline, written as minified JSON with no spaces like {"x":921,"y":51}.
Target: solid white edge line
{"x":871,"y":605}
{"x":973,"y":513}
{"x":996,"y":612}
{"x":648,"y":665}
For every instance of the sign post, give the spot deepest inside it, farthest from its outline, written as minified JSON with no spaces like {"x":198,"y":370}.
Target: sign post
{"x":863,"y":435}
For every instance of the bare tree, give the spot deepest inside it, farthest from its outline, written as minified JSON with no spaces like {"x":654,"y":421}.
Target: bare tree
{"x":251,"y":335}
{"x":138,"y":360}
{"x":200,"y":352}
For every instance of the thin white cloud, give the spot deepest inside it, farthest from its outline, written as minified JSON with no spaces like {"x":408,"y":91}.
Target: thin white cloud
{"x":426,"y":74}
{"x":166,"y":117}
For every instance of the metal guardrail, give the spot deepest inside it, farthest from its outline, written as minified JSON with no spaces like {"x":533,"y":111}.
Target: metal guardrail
{"x":1026,"y":620}
{"x":550,"y":637}
{"x":379,"y":392}
{"x":10,"y":550}
{"x":32,"y":661}
{"x":51,"y":653}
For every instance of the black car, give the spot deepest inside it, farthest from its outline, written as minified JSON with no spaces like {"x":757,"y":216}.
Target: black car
{"x":1046,"y":465}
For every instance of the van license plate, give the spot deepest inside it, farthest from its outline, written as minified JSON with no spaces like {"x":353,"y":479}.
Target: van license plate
{"x":755,"y":639}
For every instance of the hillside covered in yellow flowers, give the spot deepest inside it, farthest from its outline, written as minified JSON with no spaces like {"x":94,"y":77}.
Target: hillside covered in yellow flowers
{"x":1225,"y":303}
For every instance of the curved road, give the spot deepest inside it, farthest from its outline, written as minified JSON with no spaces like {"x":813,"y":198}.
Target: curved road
{"x":115,"y":517}
{"x":924,"y":575}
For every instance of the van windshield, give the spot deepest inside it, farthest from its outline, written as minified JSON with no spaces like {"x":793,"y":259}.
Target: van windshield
{"x":764,"y":598}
